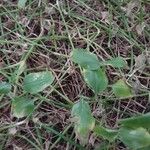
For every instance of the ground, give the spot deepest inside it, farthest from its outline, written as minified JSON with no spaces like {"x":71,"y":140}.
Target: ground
{"x":43,"y":34}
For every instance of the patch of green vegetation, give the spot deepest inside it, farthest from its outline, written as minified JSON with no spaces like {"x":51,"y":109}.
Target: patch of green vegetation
{"x":74,"y":74}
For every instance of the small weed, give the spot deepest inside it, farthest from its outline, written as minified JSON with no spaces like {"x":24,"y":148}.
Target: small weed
{"x":74,"y":74}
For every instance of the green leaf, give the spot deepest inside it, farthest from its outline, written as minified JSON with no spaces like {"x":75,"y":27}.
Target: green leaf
{"x":22,"y":107}
{"x":21,"y":3}
{"x":96,"y":79}
{"x":135,"y":122}
{"x":121,"y":89}
{"x":83,"y":120}
{"x":85,"y":59}
{"x":37,"y":82}
{"x":117,"y":62}
{"x":135,"y":139}
{"x":5,"y":87}
{"x":106,"y":133}
{"x":145,"y":148}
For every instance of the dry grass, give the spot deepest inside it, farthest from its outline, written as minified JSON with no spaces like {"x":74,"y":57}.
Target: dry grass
{"x":44,"y":34}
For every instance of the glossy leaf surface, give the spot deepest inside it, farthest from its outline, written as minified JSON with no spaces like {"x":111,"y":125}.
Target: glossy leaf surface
{"x":121,"y":89}
{"x":96,"y":79}
{"x":83,"y":120}
{"x":22,"y":106}
{"x":85,"y":59}
{"x":135,"y":138}
{"x":37,"y":82}
{"x":117,"y":62}
{"x":5,"y":87}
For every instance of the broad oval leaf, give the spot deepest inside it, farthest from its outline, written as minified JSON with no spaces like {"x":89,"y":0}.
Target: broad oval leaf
{"x":117,"y":62}
{"x":106,"y":133}
{"x":83,"y":120}
{"x":96,"y":79}
{"x":121,"y":89}
{"x":22,"y":106}
{"x":134,"y":138}
{"x":37,"y":82}
{"x":85,"y":59}
{"x":21,"y":3}
{"x":5,"y":87}
{"x":136,"y":122}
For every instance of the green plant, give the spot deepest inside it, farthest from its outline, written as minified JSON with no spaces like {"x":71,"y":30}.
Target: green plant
{"x":5,"y":87}
{"x":83,"y":119}
{"x":33,"y":83}
{"x":121,"y":89}
{"x":21,"y":3}
{"x":40,"y":33}
{"x":133,"y":132}
{"x":94,"y":72}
